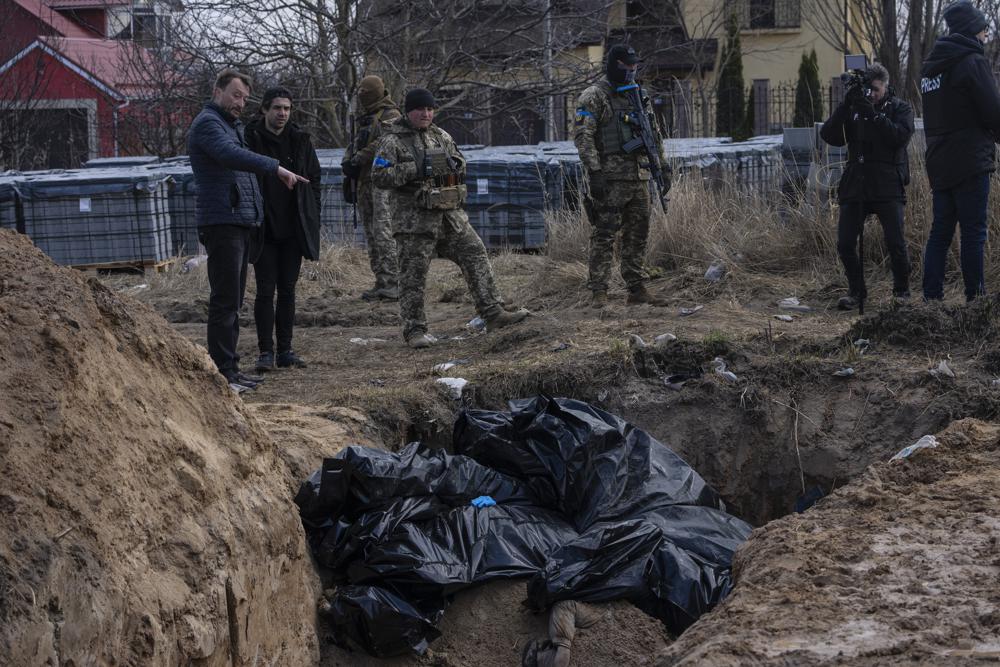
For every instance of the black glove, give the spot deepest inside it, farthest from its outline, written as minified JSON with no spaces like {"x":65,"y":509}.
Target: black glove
{"x":598,"y":186}
{"x":351,"y":169}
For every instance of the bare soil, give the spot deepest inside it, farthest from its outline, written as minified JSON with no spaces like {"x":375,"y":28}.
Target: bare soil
{"x":785,"y":428}
{"x":897,"y":568}
{"x":145,"y":514}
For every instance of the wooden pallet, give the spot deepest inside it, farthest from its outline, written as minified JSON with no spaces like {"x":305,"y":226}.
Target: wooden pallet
{"x":158,"y":267}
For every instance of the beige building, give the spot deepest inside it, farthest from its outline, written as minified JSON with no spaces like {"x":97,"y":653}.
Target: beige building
{"x":682,"y":42}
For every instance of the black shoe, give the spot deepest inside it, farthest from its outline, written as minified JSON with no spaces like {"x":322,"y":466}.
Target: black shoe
{"x":290,"y":359}
{"x":237,"y":380}
{"x":265,"y":362}
{"x":904,"y":295}
{"x":847,"y":303}
{"x":249,"y":380}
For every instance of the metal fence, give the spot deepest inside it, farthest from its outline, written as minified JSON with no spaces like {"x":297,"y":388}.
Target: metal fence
{"x":690,"y":111}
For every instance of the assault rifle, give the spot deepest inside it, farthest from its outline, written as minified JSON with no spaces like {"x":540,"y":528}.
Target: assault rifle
{"x":350,"y":186}
{"x":646,"y":139}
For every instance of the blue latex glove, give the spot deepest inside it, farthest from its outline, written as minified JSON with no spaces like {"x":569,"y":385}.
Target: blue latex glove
{"x":483,"y":501}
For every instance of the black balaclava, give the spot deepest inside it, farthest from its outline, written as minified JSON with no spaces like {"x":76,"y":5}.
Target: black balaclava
{"x":616,"y":74}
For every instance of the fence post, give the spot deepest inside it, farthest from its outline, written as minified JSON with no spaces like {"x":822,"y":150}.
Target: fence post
{"x":761,"y":107}
{"x":681,"y":98}
{"x":836,"y":93}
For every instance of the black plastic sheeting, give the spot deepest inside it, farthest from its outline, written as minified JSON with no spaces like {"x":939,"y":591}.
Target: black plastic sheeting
{"x":588,"y":507}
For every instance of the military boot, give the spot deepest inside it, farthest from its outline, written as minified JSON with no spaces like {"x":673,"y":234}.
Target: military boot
{"x":599,"y":298}
{"x":421,"y":341}
{"x":388,"y":293}
{"x":641,"y":295}
{"x":502,"y":318}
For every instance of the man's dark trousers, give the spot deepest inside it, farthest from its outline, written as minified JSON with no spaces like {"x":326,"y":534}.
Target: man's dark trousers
{"x":228,"y":248}
{"x":849,"y":229}
{"x":278,"y":267}
{"x":964,"y":204}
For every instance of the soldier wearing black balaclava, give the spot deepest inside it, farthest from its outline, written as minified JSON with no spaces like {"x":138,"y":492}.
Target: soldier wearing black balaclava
{"x":618,"y":181}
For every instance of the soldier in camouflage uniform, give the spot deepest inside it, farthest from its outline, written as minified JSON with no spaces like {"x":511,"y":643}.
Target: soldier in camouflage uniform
{"x":424,"y":172}
{"x":618,"y":180}
{"x":376,"y":109}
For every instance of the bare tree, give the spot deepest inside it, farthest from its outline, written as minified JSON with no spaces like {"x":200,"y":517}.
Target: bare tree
{"x":899,"y":34}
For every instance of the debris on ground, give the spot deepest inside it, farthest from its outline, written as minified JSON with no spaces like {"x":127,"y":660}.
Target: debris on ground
{"x":476,"y":324}
{"x":792,"y":303}
{"x":927,"y":441}
{"x":716,"y":271}
{"x":454,"y":386}
{"x":942,"y":370}
{"x":448,"y":365}
{"x":664,"y":339}
{"x":844,"y":372}
{"x":636,"y":343}
{"x":784,"y":318}
{"x":690,"y":311}
{"x":367,"y":341}
{"x":719,"y":366}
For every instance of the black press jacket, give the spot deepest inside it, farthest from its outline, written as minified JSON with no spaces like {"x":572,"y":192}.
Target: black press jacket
{"x":307,"y":195}
{"x":961,"y":111}
{"x":880,"y":134}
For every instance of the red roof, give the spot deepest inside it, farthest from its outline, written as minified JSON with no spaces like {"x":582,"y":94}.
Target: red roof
{"x":121,"y":65}
{"x":62,"y":25}
{"x":86,"y":4}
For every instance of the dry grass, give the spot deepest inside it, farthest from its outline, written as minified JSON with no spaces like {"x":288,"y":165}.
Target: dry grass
{"x":766,"y":234}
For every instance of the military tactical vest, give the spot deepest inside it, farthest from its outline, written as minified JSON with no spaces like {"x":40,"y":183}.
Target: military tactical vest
{"x":440,"y":182}
{"x":616,"y":130}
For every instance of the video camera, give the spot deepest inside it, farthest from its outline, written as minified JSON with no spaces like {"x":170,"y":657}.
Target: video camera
{"x":857,"y":85}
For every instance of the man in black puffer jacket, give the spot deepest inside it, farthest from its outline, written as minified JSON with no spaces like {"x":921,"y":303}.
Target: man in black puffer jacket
{"x":962,"y":122}
{"x":876,"y":127}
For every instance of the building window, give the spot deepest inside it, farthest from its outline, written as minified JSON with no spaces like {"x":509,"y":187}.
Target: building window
{"x":769,"y":14}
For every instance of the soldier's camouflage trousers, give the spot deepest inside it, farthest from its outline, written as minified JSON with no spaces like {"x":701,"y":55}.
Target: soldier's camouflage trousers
{"x":373,"y":208}
{"x":626,"y":208}
{"x":451,"y":237}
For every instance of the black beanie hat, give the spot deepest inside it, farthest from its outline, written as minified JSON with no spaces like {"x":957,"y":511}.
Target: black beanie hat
{"x":271,"y":94}
{"x":419,"y":98}
{"x":626,"y":54}
{"x":962,"y":17}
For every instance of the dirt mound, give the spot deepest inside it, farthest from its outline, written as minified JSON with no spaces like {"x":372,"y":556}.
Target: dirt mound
{"x":932,"y":326}
{"x":145,"y":516}
{"x":489,"y":627}
{"x":892,"y":569}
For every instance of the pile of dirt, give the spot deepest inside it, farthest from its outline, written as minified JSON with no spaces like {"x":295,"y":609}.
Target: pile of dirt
{"x":894,"y":568}
{"x":144,"y":513}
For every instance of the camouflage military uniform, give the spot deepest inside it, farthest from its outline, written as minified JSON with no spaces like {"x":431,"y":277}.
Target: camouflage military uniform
{"x":599,"y":135}
{"x":425,"y":223}
{"x":373,"y":205}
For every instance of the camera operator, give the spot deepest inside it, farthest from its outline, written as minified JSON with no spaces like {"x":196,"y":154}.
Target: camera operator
{"x":962,"y":121}
{"x":876,"y":128}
